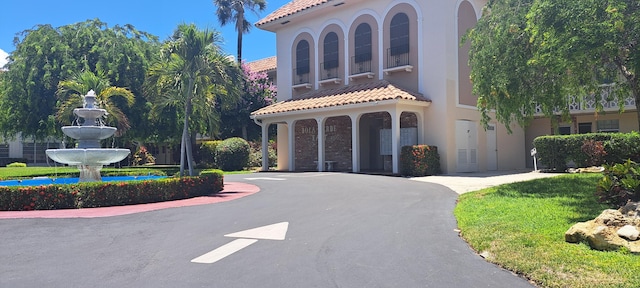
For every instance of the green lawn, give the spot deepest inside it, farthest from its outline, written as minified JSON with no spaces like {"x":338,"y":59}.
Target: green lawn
{"x":68,"y":171}
{"x":521,"y":227}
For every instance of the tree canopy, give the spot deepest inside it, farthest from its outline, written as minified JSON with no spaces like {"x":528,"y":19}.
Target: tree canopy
{"x":528,"y":53}
{"x":192,"y":73}
{"x":45,"y":55}
{"x":258,"y":92}
{"x":234,"y":11}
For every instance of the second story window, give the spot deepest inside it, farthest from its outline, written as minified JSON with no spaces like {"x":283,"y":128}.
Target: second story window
{"x":362,"y":58}
{"x":302,"y":63}
{"x":331,"y":55}
{"x":398,"y":54}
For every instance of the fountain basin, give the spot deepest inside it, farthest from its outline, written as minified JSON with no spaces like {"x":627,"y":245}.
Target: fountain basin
{"x":89,"y":132}
{"x":89,"y":113}
{"x":88,"y":156}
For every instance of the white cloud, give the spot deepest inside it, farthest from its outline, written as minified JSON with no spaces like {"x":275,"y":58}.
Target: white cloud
{"x":3,"y":58}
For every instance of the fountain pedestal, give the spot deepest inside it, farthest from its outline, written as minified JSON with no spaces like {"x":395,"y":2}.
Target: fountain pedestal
{"x":89,"y":157}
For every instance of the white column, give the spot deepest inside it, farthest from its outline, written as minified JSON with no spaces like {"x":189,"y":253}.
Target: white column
{"x":395,"y":139}
{"x":292,"y":145}
{"x":283,"y":147}
{"x":320,"y":121}
{"x":265,"y":146}
{"x":355,"y":142}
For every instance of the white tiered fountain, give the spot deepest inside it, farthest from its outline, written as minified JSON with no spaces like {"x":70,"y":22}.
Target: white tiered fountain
{"x":88,"y":155}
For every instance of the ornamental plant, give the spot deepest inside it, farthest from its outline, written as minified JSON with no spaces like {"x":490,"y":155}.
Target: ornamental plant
{"x":419,"y":160}
{"x":620,"y":184}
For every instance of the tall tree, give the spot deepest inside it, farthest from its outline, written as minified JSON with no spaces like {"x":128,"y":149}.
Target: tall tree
{"x":70,"y":93}
{"x":526,"y":53}
{"x":45,"y":55}
{"x":192,"y":73}
{"x":258,"y":92}
{"x":234,"y":11}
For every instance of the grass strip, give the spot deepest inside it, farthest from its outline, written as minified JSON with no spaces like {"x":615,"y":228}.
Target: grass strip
{"x":521,"y":227}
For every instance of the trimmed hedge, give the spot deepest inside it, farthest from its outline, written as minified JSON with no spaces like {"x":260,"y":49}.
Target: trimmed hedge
{"x":419,"y":160}
{"x":584,"y":149}
{"x":101,"y":194}
{"x":6,"y":161}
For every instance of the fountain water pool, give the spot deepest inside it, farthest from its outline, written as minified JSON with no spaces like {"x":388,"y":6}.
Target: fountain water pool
{"x":38,"y":181}
{"x":89,"y":156}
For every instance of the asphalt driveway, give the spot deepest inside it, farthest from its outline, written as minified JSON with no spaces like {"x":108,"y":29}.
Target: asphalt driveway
{"x":342,"y":230}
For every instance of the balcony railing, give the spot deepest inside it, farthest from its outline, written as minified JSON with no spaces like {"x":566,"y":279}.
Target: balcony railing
{"x":398,"y":56}
{"x":329,"y":70}
{"x":301,"y":76}
{"x":360,"y":64}
{"x":590,"y":103}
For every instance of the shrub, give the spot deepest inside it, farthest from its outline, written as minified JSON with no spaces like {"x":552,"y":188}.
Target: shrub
{"x":552,"y":152}
{"x":620,"y":184}
{"x":100,"y":194}
{"x":6,"y":161}
{"x":232,"y":154}
{"x":594,"y":151}
{"x":419,"y":160}
{"x":142,"y":156}
{"x":207,"y":153}
{"x":255,"y":158}
{"x":556,"y":151}
{"x":17,"y":164}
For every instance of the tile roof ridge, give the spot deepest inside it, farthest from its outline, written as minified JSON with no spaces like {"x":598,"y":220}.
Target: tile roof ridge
{"x":291,"y":8}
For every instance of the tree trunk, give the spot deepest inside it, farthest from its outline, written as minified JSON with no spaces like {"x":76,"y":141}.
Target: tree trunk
{"x":186,"y":143}
{"x":635,"y":92}
{"x":239,"y":46}
{"x":182,"y":152}
{"x":245,"y":134}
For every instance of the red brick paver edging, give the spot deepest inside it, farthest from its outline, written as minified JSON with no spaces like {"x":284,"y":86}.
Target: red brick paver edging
{"x":231,"y":191}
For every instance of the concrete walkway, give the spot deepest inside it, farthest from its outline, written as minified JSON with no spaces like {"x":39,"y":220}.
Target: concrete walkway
{"x":468,"y":182}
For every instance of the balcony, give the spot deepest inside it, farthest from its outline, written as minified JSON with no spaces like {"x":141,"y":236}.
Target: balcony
{"x":591,"y":102}
{"x":398,"y":60}
{"x":329,"y":73}
{"x":360,"y":67}
{"x":301,"y":78}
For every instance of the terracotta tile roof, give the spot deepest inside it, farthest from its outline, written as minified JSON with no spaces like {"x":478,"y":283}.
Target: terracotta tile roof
{"x":352,"y":94}
{"x":263,"y":65}
{"x":290,"y":8}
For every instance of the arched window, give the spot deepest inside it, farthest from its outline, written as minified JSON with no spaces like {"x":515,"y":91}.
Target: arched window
{"x":302,"y":58}
{"x":399,"y":34}
{"x":362,"y":43}
{"x":331,"y":51}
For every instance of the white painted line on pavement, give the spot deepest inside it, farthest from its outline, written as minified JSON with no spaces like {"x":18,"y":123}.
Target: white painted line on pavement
{"x":265,"y":178}
{"x":276,"y":231}
{"x":224,"y":251}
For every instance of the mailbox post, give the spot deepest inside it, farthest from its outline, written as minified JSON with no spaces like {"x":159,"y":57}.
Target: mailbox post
{"x":535,"y":162}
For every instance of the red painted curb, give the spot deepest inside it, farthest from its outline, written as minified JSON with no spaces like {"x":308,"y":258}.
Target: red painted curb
{"x":231,"y":191}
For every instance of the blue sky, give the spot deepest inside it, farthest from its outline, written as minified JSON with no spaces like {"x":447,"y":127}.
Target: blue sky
{"x":158,"y":17}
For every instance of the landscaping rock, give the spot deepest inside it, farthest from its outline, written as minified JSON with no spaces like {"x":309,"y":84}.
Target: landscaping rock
{"x":610,"y":231}
{"x":629,"y":232}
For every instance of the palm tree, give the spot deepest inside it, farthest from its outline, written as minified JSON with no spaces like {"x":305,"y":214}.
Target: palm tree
{"x":71,"y":91}
{"x":234,"y":10}
{"x":192,"y":73}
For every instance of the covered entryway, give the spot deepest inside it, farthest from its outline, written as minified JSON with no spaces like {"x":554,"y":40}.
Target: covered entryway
{"x":353,"y":128}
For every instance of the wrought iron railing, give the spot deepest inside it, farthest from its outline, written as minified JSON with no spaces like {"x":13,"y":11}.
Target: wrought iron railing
{"x":360,"y":64}
{"x":398,"y":56}
{"x":301,"y":76}
{"x":329,"y":70}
